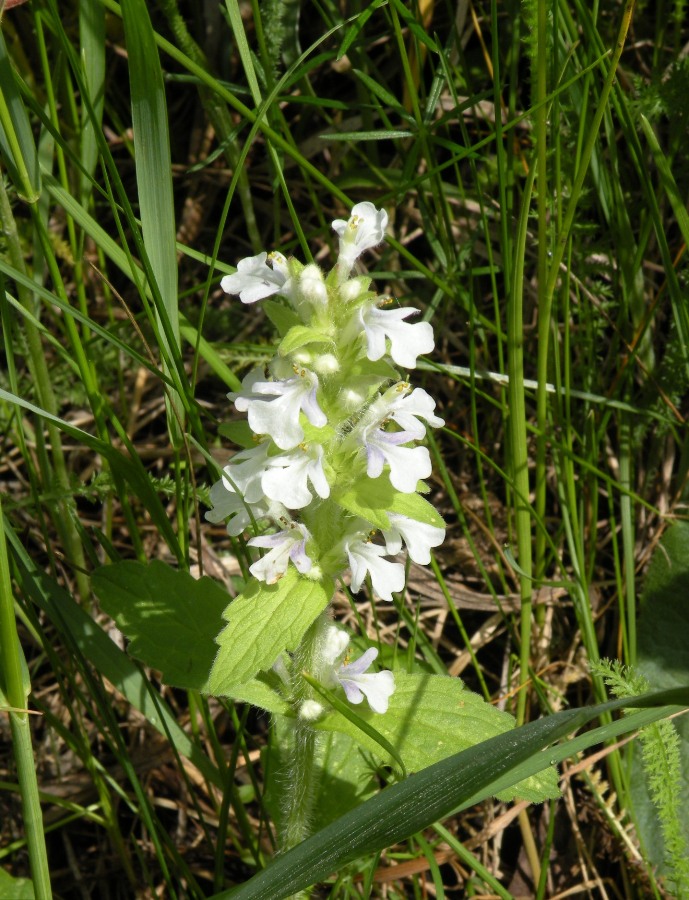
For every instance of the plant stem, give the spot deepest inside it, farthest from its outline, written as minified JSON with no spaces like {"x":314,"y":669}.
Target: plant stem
{"x":545,"y":299}
{"x":518,"y":447}
{"x":301,"y":776}
{"x":11,"y":677}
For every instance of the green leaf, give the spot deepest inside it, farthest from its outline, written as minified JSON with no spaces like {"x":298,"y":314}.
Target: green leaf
{"x":369,"y":498}
{"x":172,"y":621}
{"x":663,"y":660}
{"x":299,"y":336}
{"x":449,"y":786}
{"x":415,"y":507}
{"x":263,"y":621}
{"x":16,"y":137}
{"x":386,"y":98}
{"x":264,"y":692}
{"x":432,"y":716}
{"x":354,"y":30}
{"x":170,"y":618}
{"x":390,"y":135}
{"x":16,"y":888}
{"x":374,"y":498}
{"x":281,"y":316}
{"x":80,"y":631}
{"x":92,"y":37}
{"x":238,"y":432}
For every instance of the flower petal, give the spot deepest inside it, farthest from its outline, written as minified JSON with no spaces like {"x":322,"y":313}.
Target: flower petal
{"x":364,"y":229}
{"x":418,"y":536}
{"x":408,"y":465}
{"x":284,"y":545}
{"x":386,"y":577}
{"x":254,"y":279}
{"x":279,"y":415}
{"x":407,"y":340}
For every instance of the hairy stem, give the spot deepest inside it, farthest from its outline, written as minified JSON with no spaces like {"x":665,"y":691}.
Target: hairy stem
{"x":301,"y":775}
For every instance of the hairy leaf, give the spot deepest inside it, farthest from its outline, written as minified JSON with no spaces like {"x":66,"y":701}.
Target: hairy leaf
{"x":170,"y":618}
{"x":262,"y":622}
{"x":431,"y":717}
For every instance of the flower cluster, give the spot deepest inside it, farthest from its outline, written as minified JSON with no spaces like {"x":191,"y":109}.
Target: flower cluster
{"x":335,"y":458}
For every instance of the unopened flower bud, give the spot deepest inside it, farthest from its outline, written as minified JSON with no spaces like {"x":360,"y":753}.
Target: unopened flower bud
{"x":326,"y":364}
{"x":310,"y":710}
{"x":312,"y":286}
{"x":303,"y":358}
{"x":351,"y":290}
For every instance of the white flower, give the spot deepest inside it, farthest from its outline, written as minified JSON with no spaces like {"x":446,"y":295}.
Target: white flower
{"x":407,"y":340}
{"x":418,"y":536}
{"x":387,"y":577}
{"x":283,"y":546}
{"x":376,"y":687}
{"x":255,"y":280}
{"x":279,"y":417}
{"x":286,"y":477}
{"x":408,"y":465}
{"x":364,"y":229}
{"x":244,"y":472}
{"x":405,"y":408}
{"x":229,"y":504}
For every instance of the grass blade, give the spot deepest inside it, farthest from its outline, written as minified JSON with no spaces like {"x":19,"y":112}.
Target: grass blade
{"x":454,"y":783}
{"x":16,"y":140}
{"x":154,"y":180}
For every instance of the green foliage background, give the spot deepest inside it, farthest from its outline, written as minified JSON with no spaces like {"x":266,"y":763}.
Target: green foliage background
{"x":532,"y":158}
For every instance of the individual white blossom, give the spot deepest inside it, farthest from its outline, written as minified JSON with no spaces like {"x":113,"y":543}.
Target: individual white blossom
{"x":364,"y":229}
{"x":286,"y":545}
{"x":365,"y":558}
{"x":408,"y":465}
{"x":279,"y":416}
{"x":419,"y":537}
{"x":407,"y":340}
{"x":406,"y":409}
{"x":255,"y":279}
{"x":244,"y":472}
{"x":242,"y":515}
{"x":286,"y":477}
{"x":376,"y":687}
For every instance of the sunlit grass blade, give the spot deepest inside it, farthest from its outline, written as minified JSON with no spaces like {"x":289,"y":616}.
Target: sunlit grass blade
{"x":459,"y":781}
{"x":16,"y":138}
{"x":92,"y":36}
{"x":154,"y":180}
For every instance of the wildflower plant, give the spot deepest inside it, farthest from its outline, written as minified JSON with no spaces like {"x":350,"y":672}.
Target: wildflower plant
{"x":329,"y":485}
{"x":326,"y":488}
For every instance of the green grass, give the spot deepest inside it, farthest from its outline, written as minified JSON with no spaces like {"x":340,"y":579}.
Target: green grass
{"x":535,"y":173}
